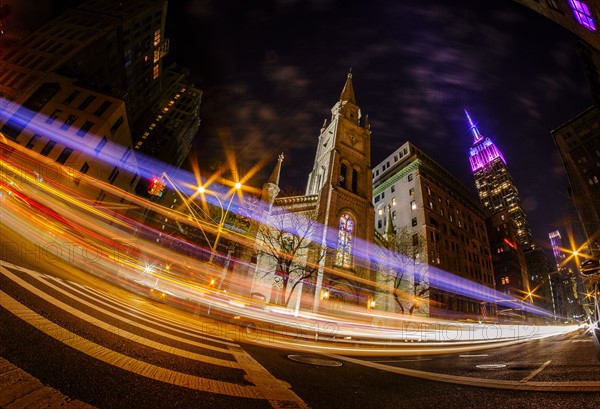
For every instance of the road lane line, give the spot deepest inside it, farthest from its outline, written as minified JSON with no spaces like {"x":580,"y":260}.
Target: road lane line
{"x":140,"y":314}
{"x":537,"y":371}
{"x":274,"y":392}
{"x":404,"y":360}
{"x":125,"y":334}
{"x":40,"y":276}
{"x":575,"y":386}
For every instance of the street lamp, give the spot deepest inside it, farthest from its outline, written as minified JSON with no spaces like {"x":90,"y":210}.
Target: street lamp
{"x":224,"y":212}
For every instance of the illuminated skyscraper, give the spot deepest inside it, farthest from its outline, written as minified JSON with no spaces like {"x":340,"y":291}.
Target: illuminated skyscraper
{"x":494,"y":183}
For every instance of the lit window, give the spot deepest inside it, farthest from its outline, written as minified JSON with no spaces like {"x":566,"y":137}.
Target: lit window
{"x":582,"y":14}
{"x":413,"y":205}
{"x":155,"y":72}
{"x":343,"y":257}
{"x":380,"y":212}
{"x":393,"y":201}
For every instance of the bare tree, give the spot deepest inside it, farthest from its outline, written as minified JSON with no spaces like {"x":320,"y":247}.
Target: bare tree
{"x":402,"y":254}
{"x":287,"y":242}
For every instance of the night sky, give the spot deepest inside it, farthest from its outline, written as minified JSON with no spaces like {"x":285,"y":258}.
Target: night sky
{"x":271,"y":71}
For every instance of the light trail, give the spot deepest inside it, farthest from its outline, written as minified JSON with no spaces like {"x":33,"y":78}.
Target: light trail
{"x":63,"y":223}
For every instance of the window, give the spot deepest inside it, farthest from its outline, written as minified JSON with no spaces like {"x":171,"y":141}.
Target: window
{"x":64,"y":155}
{"x":354,"y":180}
{"x":48,"y":148}
{"x":343,"y":171}
{"x":102,"y":108}
{"x":101,"y":145}
{"x":410,"y":177}
{"x":133,"y":179}
{"x":343,"y":257}
{"x":553,"y":4}
{"x":86,"y":102}
{"x":413,"y":205}
{"x":84,"y":168}
{"x":68,"y":122}
{"x":393,"y":188}
{"x":33,"y":141}
{"x":414,"y":221}
{"x":377,"y":198}
{"x":100,"y":197}
{"x":116,"y":125}
{"x":393,"y":201}
{"x":113,"y":175}
{"x":415,"y":239}
{"x":54,"y":115}
{"x":71,"y":97}
{"x":85,"y":128}
{"x":411,"y":192}
{"x":582,"y":14}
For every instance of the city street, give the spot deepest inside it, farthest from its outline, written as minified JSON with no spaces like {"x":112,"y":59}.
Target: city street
{"x":101,"y":345}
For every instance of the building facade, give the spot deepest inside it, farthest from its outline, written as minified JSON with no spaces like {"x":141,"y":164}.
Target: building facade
{"x":507,"y":223}
{"x":85,"y":83}
{"x":413,"y":192}
{"x":578,"y":141}
{"x":338,"y":199}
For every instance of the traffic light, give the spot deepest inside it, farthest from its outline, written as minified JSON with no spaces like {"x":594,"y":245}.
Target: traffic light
{"x":156,"y":187}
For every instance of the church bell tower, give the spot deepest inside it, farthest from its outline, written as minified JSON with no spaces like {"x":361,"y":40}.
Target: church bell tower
{"x":341,"y":178}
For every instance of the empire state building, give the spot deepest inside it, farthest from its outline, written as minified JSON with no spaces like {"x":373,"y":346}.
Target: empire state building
{"x":494,"y":183}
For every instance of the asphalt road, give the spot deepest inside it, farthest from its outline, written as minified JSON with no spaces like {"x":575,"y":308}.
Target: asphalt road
{"x":95,"y":344}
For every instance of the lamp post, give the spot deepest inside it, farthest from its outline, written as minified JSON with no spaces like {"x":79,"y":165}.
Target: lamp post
{"x":224,"y":212}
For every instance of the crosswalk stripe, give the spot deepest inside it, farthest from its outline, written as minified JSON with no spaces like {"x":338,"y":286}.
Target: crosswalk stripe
{"x":277,"y":391}
{"x":132,"y":337}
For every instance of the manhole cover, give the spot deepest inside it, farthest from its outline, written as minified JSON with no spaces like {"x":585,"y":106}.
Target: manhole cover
{"x":314,"y":361}
{"x":490,"y":366}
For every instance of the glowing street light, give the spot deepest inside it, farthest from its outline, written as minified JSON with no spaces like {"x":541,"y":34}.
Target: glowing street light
{"x":224,"y":213}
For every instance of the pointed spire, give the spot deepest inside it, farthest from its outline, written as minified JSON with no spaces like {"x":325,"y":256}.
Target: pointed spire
{"x":473,"y":128}
{"x":274,"y":178}
{"x":348,"y":91}
{"x":324,"y":125}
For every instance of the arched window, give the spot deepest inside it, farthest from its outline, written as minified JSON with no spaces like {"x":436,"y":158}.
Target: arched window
{"x":354,"y":180}
{"x":343,"y":257}
{"x":343,"y":170}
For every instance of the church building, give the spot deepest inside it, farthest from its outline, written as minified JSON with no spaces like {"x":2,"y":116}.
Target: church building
{"x":316,"y":247}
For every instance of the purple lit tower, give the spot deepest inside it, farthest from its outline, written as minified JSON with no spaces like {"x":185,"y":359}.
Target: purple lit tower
{"x":494,"y":183}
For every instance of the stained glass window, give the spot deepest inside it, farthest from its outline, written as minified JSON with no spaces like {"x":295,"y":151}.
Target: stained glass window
{"x":582,"y":14}
{"x":343,"y":256}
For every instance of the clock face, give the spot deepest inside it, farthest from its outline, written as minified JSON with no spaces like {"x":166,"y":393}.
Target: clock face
{"x":354,"y":140}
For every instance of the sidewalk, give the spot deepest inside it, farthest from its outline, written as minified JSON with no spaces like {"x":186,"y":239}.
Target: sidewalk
{"x":21,"y":390}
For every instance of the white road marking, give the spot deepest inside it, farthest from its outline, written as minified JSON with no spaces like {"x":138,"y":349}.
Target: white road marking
{"x":404,"y":360}
{"x":576,"y":386}
{"x":278,"y":393}
{"x":537,"y":371}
